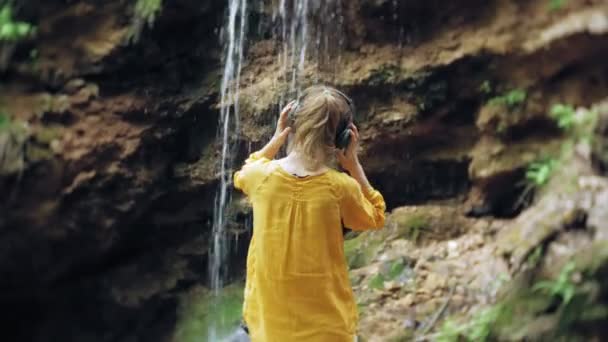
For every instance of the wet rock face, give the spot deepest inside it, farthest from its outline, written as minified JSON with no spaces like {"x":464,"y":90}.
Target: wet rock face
{"x":99,"y":230}
{"x":111,"y":185}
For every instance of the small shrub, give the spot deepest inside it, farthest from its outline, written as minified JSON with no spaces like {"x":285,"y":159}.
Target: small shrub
{"x":539,"y":172}
{"x":562,"y":287}
{"x":412,"y":227}
{"x":555,"y":5}
{"x":11,"y":30}
{"x":479,"y":328}
{"x":510,"y":99}
{"x":564,"y":115}
{"x":144,"y":14}
{"x":147,"y":10}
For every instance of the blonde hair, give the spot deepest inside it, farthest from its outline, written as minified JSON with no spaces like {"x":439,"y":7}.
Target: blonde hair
{"x":320,"y":111}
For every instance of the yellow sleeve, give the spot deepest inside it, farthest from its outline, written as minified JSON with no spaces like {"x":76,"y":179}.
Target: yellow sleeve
{"x":251,"y":174}
{"x":361,"y":209}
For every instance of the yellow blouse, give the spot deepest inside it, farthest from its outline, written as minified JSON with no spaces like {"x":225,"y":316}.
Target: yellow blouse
{"x":297,"y":286}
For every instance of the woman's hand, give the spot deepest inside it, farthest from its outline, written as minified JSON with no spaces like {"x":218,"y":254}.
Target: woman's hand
{"x":280,"y":135}
{"x":283,"y":130}
{"x":348,"y":158}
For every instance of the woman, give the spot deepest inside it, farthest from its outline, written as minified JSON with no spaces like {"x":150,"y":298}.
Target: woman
{"x":297,"y":286}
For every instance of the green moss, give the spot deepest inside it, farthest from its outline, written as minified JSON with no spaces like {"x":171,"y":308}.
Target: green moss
{"x":199,"y":312}
{"x":47,"y":134}
{"x":14,"y":135}
{"x":361,"y":250}
{"x":5,"y":120}
{"x":385,"y":74}
{"x":412,"y":226}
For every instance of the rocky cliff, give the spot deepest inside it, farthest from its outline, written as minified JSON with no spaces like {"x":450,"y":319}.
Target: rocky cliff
{"x":108,"y":156}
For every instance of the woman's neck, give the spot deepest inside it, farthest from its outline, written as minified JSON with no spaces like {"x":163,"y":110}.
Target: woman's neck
{"x":297,"y":164}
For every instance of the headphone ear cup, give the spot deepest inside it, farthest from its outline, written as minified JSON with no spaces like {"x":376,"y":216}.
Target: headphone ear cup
{"x":292,"y":111}
{"x":343,"y":139}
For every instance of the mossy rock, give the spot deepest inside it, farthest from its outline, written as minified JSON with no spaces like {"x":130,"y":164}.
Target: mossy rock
{"x":362,"y":250}
{"x":200,"y":311}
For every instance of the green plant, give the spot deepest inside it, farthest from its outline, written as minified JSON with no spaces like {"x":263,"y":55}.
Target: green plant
{"x":479,"y":328}
{"x":13,"y":137}
{"x":147,"y":10}
{"x":11,"y":30}
{"x":4,"y":120}
{"x":510,"y":99}
{"x":485,"y":87}
{"x":562,"y":287}
{"x":555,"y":5}
{"x":377,"y":282}
{"x":449,"y":332}
{"x":540,"y":171}
{"x":482,"y":323}
{"x":564,"y":115}
{"x":535,"y":256}
{"x":413,"y":226}
{"x":396,"y":269}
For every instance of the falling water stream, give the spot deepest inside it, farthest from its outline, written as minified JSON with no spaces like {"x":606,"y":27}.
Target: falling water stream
{"x":235,"y":35}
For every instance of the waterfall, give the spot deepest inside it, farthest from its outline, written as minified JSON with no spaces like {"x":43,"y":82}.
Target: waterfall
{"x":291,"y":23}
{"x":234,"y":35}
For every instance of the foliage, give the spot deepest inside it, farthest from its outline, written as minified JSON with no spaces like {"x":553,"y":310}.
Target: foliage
{"x":510,"y":99}
{"x":535,"y":256}
{"x":562,"y":287}
{"x":485,"y":87}
{"x":564,"y":115}
{"x":13,"y":138}
{"x":4,"y":121}
{"x":11,"y":30}
{"x":377,"y":281}
{"x":413,"y":226}
{"x":540,"y":171}
{"x":556,"y":4}
{"x":394,"y":270}
{"x":479,"y":328}
{"x":148,"y":10}
{"x":200,"y":311}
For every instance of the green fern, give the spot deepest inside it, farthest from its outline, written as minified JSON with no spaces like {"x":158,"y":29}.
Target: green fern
{"x":147,"y":10}
{"x":449,"y":332}
{"x":564,"y":115}
{"x":11,"y":30}
{"x":510,"y":99}
{"x":562,"y":287}
{"x":478,"y":329}
{"x":539,"y":172}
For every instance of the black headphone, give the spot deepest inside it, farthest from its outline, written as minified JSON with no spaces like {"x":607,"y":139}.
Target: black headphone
{"x":342,"y":130}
